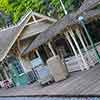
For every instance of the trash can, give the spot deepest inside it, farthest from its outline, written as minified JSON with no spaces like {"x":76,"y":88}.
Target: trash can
{"x":57,"y":68}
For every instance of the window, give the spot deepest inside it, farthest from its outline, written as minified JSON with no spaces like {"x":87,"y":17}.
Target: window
{"x":13,"y":60}
{"x":18,"y":67}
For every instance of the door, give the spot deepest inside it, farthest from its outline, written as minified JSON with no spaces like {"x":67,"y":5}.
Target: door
{"x":17,"y":73}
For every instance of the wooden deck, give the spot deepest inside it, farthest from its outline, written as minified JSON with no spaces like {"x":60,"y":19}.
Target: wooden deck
{"x":79,"y":83}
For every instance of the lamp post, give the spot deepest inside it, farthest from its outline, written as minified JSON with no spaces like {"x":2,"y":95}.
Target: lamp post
{"x":81,"y":19}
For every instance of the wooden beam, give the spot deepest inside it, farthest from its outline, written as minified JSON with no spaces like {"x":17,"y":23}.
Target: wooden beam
{"x":51,"y":48}
{"x":18,"y":46}
{"x":34,"y":19}
{"x":84,"y":37}
{"x":42,"y":16}
{"x":46,"y":51}
{"x":71,"y":44}
{"x":39,"y":20}
{"x":81,"y":39}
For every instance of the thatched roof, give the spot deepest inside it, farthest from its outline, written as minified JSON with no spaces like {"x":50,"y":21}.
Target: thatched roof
{"x":9,"y":35}
{"x":67,"y":20}
{"x":51,"y":32}
{"x":87,"y":5}
{"x":24,"y":29}
{"x":34,"y":29}
{"x":92,"y":14}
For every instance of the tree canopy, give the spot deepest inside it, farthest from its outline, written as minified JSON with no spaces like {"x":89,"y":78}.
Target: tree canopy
{"x":16,"y":8}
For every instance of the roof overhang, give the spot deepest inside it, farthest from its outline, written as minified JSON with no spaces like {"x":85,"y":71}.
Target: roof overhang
{"x":59,"y":26}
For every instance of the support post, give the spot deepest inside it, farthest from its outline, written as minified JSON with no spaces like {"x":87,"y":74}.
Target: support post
{"x":92,"y":44}
{"x":34,"y":19}
{"x":82,"y":57}
{"x":38,"y":53}
{"x":84,"y":37}
{"x":46,"y":50}
{"x":81,"y":39}
{"x":73,"y":48}
{"x":71,"y":44}
{"x":83,"y":44}
{"x":51,"y":48}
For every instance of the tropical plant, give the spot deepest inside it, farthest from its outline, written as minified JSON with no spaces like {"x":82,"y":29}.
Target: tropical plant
{"x":17,"y":8}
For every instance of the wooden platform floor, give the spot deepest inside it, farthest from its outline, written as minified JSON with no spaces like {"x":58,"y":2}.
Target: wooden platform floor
{"x":79,"y":83}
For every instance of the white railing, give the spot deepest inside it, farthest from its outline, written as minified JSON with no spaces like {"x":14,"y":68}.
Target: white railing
{"x":74,"y":63}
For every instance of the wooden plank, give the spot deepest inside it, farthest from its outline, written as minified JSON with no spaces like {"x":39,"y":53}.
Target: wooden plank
{"x":93,"y":89}
{"x":83,"y":82}
{"x":34,"y":29}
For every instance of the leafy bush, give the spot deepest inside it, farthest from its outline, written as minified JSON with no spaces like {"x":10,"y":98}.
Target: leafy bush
{"x":52,"y":8}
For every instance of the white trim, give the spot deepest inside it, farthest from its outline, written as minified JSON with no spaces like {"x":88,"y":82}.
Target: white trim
{"x":37,"y":52}
{"x":43,"y":16}
{"x":52,"y":50}
{"x":21,"y":74}
{"x":81,"y":39}
{"x":34,"y":19}
{"x":43,"y":19}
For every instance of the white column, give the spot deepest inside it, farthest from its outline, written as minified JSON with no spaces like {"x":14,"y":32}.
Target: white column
{"x":84,"y":46}
{"x":50,"y":46}
{"x":71,"y":44}
{"x":82,"y":57}
{"x":84,"y":37}
{"x":37,"y":53}
{"x":81,"y":39}
{"x":34,"y":19}
{"x":73,"y":48}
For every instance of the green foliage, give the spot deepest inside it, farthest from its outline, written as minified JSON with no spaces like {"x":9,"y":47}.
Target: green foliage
{"x":18,"y":7}
{"x":2,"y":21}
